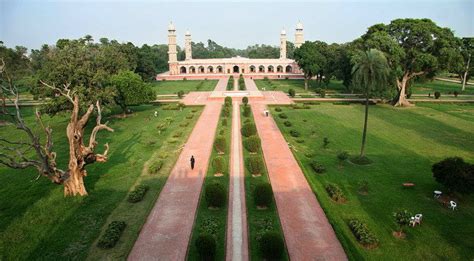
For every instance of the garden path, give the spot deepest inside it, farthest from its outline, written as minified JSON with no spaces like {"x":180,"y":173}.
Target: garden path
{"x":308,"y":233}
{"x":237,"y":241}
{"x":167,"y":230}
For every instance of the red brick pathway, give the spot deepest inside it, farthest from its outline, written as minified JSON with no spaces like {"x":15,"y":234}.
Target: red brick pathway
{"x":166,"y":233}
{"x":308,"y":234}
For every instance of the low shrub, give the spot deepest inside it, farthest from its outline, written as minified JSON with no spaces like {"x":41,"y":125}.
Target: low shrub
{"x":283,"y":116}
{"x":456,"y":93}
{"x":322,"y":93}
{"x":189,"y":116}
{"x":137,"y":194}
{"x":292,"y":93}
{"x":300,"y":140}
{"x":278,"y":109}
{"x":112,"y":234}
{"x":335,"y":193}
{"x":362,"y":233}
{"x":246,"y":112}
{"x":218,"y":165}
{"x":210,"y":225}
{"x":255,"y":165}
{"x":224,"y":122}
{"x":437,"y":95}
{"x":252,"y":143}
{"x":206,"y":246}
{"x":245,"y":101}
{"x":177,"y":134}
{"x":343,"y":156}
{"x":455,"y":174}
{"x":263,"y":195}
{"x":317,"y":167}
{"x":184,"y":124}
{"x":215,"y":195}
{"x":228,"y":101}
{"x":220,"y":144}
{"x":271,"y":245}
{"x":248,"y":129}
{"x":180,"y":94}
{"x":326,"y":142}
{"x":155,"y":166}
{"x":295,"y":133}
{"x":287,"y":123}
{"x":227,"y":111}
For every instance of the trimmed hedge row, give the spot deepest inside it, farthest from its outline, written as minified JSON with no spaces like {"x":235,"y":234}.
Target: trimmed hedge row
{"x":252,"y":143}
{"x":220,"y":144}
{"x":137,"y":194}
{"x":218,"y":165}
{"x":335,"y":193}
{"x":155,"y":166}
{"x":255,"y":165}
{"x":248,"y":129}
{"x":263,"y":195}
{"x":362,"y":233}
{"x":112,"y":234}
{"x":216,"y":195}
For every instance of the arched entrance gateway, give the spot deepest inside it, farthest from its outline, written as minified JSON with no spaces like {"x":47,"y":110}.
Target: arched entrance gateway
{"x":236,"y":69}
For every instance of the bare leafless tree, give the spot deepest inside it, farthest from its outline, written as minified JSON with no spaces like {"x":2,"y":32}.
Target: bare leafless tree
{"x":18,"y":155}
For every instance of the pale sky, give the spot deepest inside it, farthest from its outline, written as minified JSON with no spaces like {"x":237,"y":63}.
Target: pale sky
{"x":237,"y":24}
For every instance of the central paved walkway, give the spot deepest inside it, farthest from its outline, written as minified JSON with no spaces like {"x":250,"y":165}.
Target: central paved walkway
{"x":166,"y":233}
{"x":237,"y":242}
{"x":308,"y":234}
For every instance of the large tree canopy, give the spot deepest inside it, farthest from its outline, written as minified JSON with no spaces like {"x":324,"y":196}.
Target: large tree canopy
{"x":130,"y":89}
{"x":314,"y":58}
{"x":461,"y":62}
{"x":414,"y":47}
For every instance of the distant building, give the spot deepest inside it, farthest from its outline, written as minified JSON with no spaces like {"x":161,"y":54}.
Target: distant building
{"x":223,"y":67}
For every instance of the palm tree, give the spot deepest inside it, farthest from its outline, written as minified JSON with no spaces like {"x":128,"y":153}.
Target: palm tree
{"x":370,"y":73}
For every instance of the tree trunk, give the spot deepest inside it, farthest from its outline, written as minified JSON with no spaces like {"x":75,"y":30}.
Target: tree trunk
{"x":402,"y":100}
{"x":74,"y":185}
{"x":464,"y":78}
{"x":305,"y":84}
{"x":364,"y":132}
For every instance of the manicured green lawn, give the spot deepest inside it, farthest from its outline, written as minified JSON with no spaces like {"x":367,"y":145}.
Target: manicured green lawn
{"x":441,"y":86}
{"x":298,"y":85}
{"x":259,"y":220}
{"x":213,"y":221}
{"x":37,"y":222}
{"x":403,"y":144}
{"x":173,"y":87}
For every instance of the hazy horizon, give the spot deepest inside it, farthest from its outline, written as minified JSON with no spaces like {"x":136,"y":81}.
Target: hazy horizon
{"x":32,"y":23}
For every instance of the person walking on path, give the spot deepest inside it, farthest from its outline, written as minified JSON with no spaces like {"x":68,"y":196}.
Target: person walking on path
{"x":192,"y":162}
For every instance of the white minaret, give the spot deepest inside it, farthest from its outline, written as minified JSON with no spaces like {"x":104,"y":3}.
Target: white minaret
{"x":283,"y":44}
{"x":172,"y":53}
{"x":187,"y":46}
{"x":299,"y":40}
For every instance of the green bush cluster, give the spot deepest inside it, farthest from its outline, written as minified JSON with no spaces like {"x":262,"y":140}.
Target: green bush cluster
{"x":278,"y":109}
{"x":255,"y":165}
{"x":343,"y":156}
{"x":283,"y":116}
{"x":206,"y":246}
{"x":263,"y":195}
{"x":335,"y":193}
{"x":245,"y":101}
{"x":287,"y":123}
{"x":215,"y":195}
{"x":247,"y":111}
{"x":224,"y":122}
{"x":228,"y":101}
{"x":137,"y":194}
{"x":218,"y":165}
{"x":317,"y":167}
{"x":227,"y":111}
{"x":455,"y":174}
{"x":209,"y":225}
{"x":362,"y":233}
{"x":230,"y":83}
{"x":292,"y":93}
{"x":220,"y":144}
{"x":241,"y":83}
{"x":155,"y":166}
{"x":112,"y":234}
{"x":248,"y":129}
{"x":299,"y":106}
{"x":180,"y":94}
{"x":271,"y":245}
{"x":295,"y":133}
{"x":437,"y":95}
{"x":252,"y":143}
